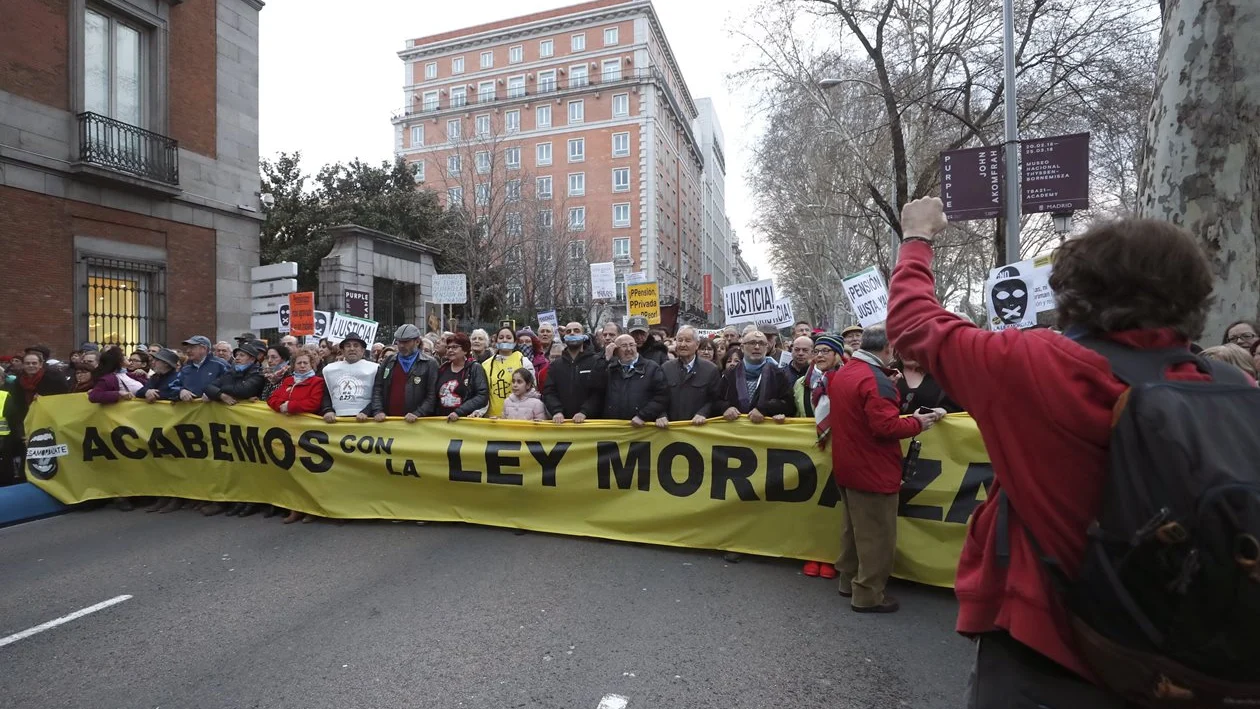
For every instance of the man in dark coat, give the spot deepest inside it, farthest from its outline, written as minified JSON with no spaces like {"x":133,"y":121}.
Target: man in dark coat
{"x":648,"y":347}
{"x":636,"y":390}
{"x":756,"y":386}
{"x":576,"y":379}
{"x":242,"y":381}
{"x":406,"y":383}
{"x":693,"y":382}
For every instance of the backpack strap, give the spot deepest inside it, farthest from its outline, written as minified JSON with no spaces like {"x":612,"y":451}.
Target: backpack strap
{"x":1136,"y":367}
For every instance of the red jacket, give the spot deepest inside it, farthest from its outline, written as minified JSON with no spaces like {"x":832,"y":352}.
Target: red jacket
{"x":866,"y":427}
{"x":1043,"y":404}
{"x":304,"y":398}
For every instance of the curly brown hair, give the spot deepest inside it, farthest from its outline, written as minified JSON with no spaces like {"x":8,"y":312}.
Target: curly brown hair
{"x":1133,"y":274}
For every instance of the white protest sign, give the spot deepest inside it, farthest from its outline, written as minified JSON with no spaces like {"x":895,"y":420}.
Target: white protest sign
{"x":450,"y":288}
{"x":548,"y":316}
{"x":603,"y":281}
{"x":781,"y":317}
{"x":342,"y":325}
{"x":748,"y":301}
{"x":868,"y":296}
{"x":636,"y":277}
{"x":1014,"y":294}
{"x":705,"y":334}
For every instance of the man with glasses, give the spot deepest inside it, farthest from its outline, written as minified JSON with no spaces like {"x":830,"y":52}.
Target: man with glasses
{"x":755,"y":386}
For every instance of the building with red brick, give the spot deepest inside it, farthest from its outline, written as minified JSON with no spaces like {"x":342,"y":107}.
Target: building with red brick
{"x":585,"y":110}
{"x":129,"y":205}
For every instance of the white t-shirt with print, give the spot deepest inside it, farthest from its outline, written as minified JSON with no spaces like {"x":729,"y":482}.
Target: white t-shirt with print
{"x":350,"y":385}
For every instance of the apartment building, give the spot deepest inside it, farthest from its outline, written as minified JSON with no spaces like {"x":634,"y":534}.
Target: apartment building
{"x":715,"y":227}
{"x":585,"y":113}
{"x":129,"y":205}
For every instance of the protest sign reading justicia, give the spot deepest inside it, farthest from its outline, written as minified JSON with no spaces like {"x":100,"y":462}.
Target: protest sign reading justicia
{"x":748,"y":301}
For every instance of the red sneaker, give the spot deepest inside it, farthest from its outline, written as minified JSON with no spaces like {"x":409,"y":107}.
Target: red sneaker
{"x":811,"y":568}
{"x":827,"y":571}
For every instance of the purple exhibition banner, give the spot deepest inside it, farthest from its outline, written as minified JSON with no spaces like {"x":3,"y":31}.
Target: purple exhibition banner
{"x":1056,"y":174}
{"x":971,"y":183}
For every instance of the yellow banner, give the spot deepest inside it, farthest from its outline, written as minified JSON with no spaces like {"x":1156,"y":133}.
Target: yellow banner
{"x":752,"y":488}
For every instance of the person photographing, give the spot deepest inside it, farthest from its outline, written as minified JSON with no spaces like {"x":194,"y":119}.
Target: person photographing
{"x":866,"y":430}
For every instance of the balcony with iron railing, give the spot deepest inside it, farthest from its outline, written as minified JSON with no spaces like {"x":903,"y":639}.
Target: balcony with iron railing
{"x":108,"y":146}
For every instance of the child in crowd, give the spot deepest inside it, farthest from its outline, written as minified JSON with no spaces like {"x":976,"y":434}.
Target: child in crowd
{"x":524,"y":404}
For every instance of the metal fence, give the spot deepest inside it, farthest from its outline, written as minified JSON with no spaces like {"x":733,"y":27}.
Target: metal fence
{"x":120,"y":146}
{"x":126,"y":302}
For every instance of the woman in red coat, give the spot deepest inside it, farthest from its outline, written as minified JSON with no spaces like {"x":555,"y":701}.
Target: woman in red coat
{"x":300,"y":393}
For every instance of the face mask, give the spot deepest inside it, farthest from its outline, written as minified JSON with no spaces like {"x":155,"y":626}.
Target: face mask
{"x":574,"y":340}
{"x":506,"y":347}
{"x":527,"y":351}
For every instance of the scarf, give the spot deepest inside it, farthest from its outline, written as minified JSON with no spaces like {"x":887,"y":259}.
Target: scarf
{"x":528,"y":352}
{"x":822,"y":406}
{"x":30,"y":383}
{"x":127,"y":383}
{"x":747,"y":391}
{"x":298,"y":377}
{"x":407,"y":362}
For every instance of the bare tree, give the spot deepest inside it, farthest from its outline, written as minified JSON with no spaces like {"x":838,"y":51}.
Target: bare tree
{"x":915,"y":78}
{"x":1204,"y":131}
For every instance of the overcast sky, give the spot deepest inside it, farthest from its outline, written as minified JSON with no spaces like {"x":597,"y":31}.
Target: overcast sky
{"x":330,"y":76}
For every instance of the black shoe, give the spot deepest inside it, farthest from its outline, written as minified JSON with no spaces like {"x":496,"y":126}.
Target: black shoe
{"x":124,"y":504}
{"x":233,"y":509}
{"x":731,"y":557}
{"x":890,"y":605}
{"x":211,"y":509}
{"x":272,"y":511}
{"x":247,"y":509}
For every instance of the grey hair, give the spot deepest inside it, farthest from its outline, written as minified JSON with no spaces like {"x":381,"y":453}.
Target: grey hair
{"x":479,"y":331}
{"x":694,"y":334}
{"x":875,"y":339}
{"x":616,"y":326}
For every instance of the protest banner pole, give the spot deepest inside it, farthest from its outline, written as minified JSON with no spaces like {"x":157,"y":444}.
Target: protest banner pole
{"x":1012,"y":137}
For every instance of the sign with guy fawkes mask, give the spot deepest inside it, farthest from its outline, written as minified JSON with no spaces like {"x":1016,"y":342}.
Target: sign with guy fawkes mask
{"x":1016,"y":293}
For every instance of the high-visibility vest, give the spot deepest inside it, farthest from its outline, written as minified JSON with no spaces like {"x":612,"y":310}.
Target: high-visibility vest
{"x":4,"y":424}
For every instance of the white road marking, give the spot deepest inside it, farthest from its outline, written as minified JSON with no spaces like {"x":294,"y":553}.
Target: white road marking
{"x":64,"y":619}
{"x":612,"y":701}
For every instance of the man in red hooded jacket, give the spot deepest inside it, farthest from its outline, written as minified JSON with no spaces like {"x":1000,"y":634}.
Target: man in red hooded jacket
{"x":1043,"y":404}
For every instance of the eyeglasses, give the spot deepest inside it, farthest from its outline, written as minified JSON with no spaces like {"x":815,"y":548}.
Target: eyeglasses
{"x":824,"y":350}
{"x":1244,"y":337}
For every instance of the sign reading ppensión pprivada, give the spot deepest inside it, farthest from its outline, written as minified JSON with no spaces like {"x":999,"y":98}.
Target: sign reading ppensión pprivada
{"x":748,"y":301}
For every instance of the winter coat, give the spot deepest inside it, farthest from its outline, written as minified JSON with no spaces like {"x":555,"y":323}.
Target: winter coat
{"x":694,"y":393}
{"x":53,"y":382}
{"x":772,"y":398}
{"x":164,"y":385}
{"x":654,"y":350}
{"x":576,"y":385}
{"x":476,"y":390}
{"x":866,"y":427}
{"x":527,"y":408}
{"x":195,"y":378}
{"x":303,"y":398}
{"x":641,"y":391}
{"x":242,"y":386}
{"x":1044,"y":405}
{"x":107,"y":389}
{"x":421,"y":385}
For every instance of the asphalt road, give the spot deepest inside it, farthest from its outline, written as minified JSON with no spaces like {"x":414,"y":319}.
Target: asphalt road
{"x":252,"y":613}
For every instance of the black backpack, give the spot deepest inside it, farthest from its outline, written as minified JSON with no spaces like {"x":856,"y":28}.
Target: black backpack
{"x":1166,"y":606}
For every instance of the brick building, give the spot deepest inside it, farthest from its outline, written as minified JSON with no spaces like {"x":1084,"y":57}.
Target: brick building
{"x":587,"y":106}
{"x":129,"y":205}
